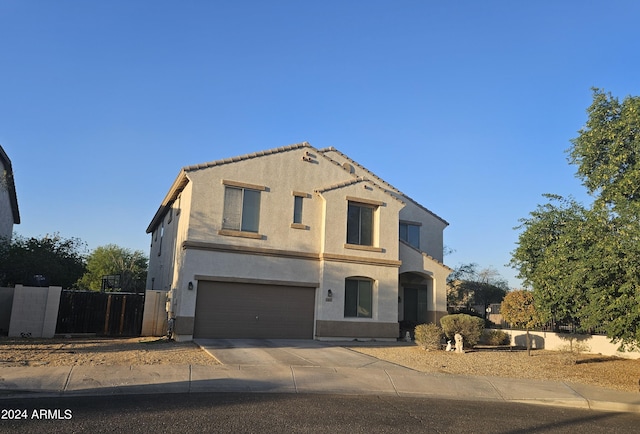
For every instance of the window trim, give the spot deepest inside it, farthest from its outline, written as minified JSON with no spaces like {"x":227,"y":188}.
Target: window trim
{"x":242,"y":186}
{"x":373,"y":206}
{"x":301,"y":196}
{"x":237,"y":184}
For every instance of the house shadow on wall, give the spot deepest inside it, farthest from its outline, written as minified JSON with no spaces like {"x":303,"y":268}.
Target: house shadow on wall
{"x":537,"y":342}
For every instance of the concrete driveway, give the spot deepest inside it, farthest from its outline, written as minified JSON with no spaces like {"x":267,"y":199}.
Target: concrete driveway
{"x":288,"y":352}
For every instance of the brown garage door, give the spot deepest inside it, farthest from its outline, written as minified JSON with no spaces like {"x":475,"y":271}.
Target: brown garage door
{"x":251,"y":311}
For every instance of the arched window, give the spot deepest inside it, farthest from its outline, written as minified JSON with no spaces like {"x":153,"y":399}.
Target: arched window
{"x":358,"y":297}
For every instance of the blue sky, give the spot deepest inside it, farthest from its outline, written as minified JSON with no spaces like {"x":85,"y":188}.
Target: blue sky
{"x":466,"y":106}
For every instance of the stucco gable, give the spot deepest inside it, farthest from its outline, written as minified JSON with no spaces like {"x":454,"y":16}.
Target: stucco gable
{"x":353,"y":181}
{"x":327,"y":152}
{"x":347,"y":166}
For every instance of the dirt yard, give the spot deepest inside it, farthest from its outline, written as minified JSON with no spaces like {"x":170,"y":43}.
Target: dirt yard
{"x":610,"y":372}
{"x":100,"y":351}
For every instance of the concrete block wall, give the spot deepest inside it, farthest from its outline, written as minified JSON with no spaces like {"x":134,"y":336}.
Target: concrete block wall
{"x":154,"y":320}
{"x":564,"y":341}
{"x":34,"y":311}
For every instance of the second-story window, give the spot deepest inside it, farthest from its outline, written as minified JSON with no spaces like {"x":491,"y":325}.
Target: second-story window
{"x":410,"y":233}
{"x":297,"y":209}
{"x":241,"y":209}
{"x":360,"y":224}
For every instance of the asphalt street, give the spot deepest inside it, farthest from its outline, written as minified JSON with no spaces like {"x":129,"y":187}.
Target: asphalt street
{"x":297,"y":413}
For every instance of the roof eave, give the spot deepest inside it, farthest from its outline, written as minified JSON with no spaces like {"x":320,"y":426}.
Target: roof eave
{"x":176,"y":188}
{"x":11,"y":186}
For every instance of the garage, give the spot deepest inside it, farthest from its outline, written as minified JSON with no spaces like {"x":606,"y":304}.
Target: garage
{"x":226,"y":310}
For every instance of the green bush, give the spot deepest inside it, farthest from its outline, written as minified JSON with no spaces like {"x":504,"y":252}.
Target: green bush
{"x":470,"y":327}
{"x":428,"y":336}
{"x":496,"y":337}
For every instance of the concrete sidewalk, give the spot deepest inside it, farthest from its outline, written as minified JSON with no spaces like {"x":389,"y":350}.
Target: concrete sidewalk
{"x":379,"y":380}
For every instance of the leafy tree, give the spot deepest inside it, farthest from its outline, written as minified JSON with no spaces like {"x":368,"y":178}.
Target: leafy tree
{"x":607,"y":150}
{"x":467,"y":286}
{"x":549,"y":257}
{"x":584,"y":262}
{"x":50,"y":260}
{"x":519,"y":310}
{"x":111,"y":260}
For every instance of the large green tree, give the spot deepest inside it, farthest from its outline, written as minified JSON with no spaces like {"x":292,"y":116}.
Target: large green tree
{"x":584,"y":262}
{"x":50,"y":260}
{"x":607,"y":150}
{"x":129,"y":266}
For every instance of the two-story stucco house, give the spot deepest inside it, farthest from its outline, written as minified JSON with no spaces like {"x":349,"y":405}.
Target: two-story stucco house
{"x":294,"y":242}
{"x":9,"y":214}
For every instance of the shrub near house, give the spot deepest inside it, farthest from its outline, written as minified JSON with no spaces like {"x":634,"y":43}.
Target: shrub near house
{"x":428,"y":336}
{"x":470,"y":327}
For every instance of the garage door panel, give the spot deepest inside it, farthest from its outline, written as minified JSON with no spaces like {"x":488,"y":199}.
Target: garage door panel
{"x":235,"y":310}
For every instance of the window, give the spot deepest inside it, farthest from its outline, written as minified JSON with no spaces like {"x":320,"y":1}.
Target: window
{"x":241,"y":209}
{"x":410,"y":233}
{"x":358,"y":298}
{"x":161,"y":237}
{"x":360,"y":224}
{"x":297,"y":209}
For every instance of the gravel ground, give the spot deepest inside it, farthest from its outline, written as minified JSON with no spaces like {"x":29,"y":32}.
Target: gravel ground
{"x":604,"y":371}
{"x":100,"y":351}
{"x":610,"y":372}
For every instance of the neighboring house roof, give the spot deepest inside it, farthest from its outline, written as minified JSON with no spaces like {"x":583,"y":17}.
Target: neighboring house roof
{"x":382,"y":181}
{"x":11,"y":188}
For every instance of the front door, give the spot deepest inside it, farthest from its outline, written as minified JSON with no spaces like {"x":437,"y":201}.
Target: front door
{"x":415,"y":304}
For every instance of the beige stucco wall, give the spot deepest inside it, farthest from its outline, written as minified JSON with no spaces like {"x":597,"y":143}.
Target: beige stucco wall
{"x":414,"y":261}
{"x":281,"y":174}
{"x":385,"y":290}
{"x":563,"y":342}
{"x":385,"y":221}
{"x":316,"y":253}
{"x":34,"y":311}
{"x":431,"y":231}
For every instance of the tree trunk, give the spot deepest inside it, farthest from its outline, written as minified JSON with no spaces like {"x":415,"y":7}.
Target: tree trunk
{"x":528,"y":344}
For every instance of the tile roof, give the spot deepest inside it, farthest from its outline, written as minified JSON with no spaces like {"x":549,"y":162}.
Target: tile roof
{"x":355,"y":180}
{"x":382,"y":181}
{"x":182,"y":178}
{"x":247,"y":156}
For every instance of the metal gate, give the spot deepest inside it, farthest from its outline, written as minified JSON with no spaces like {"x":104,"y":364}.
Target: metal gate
{"x":102,"y":313}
